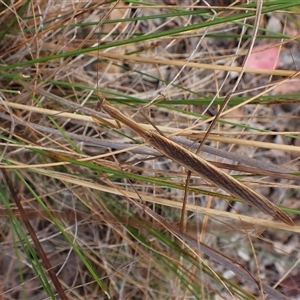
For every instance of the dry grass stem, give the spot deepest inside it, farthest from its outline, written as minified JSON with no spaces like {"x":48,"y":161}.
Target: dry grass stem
{"x":198,"y":165}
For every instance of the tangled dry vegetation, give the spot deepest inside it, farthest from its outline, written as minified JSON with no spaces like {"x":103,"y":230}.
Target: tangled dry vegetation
{"x":88,"y":209}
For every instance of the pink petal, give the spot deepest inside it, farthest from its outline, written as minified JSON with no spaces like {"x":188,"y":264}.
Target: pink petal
{"x":263,"y":57}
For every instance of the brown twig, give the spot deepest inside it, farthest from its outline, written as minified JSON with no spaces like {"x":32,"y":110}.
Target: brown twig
{"x":35,"y":239}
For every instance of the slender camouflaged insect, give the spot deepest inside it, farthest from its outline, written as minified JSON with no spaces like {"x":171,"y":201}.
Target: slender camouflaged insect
{"x":200,"y":166}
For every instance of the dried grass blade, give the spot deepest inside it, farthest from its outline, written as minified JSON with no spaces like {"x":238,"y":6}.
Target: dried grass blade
{"x":216,"y":176}
{"x":200,"y":166}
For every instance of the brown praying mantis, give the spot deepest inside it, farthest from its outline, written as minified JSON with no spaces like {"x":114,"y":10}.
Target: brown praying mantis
{"x":198,"y":165}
